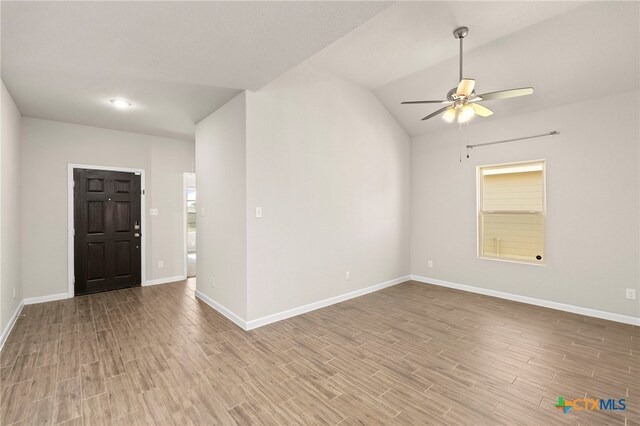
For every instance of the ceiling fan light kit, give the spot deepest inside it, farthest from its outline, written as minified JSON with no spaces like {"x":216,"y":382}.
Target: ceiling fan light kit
{"x":449,"y":115}
{"x":462,"y":101}
{"x":465,"y":114}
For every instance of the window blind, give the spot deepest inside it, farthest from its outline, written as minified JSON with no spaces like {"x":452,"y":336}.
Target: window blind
{"x":512,"y":212}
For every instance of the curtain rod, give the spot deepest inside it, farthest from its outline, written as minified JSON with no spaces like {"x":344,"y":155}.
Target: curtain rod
{"x":552,"y":133}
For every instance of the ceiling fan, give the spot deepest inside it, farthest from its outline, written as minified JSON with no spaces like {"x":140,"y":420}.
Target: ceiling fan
{"x":462,"y":101}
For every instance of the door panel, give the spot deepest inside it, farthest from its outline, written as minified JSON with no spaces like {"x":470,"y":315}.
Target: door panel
{"x":96,"y":261}
{"x":122,"y":216}
{"x":122,"y":186}
{"x":95,"y":217}
{"x":107,"y":243}
{"x":95,"y":185}
{"x":123,"y":255}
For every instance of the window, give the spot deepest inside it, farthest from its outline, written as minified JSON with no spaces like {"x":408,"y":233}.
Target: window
{"x":511,"y":212}
{"x":191,"y":209}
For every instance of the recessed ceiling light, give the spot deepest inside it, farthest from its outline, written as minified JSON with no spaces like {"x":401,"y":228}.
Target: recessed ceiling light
{"x":120,"y":103}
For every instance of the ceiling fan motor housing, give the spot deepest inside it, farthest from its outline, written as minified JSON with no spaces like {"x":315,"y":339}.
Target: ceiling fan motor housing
{"x":452,"y":95}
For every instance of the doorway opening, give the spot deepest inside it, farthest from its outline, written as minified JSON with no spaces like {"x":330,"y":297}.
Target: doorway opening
{"x":190,"y":209}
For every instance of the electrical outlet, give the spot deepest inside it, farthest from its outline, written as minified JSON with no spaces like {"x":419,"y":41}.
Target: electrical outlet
{"x":347,"y":276}
{"x":202,"y":212}
{"x":212,"y":282}
{"x":631,"y":293}
{"x":430,"y":263}
{"x":160,"y":263}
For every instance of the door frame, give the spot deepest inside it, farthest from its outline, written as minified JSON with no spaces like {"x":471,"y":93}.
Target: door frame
{"x":71,"y":221}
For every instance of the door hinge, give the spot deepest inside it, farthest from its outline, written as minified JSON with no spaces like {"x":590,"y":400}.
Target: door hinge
{"x":142,"y":192}
{"x":73,"y":184}
{"x":74,"y":232}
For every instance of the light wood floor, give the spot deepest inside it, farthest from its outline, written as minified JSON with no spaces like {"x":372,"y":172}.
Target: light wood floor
{"x":410,"y":354}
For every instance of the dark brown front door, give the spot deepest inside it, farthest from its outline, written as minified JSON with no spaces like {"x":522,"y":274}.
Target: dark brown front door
{"x":107,"y":230}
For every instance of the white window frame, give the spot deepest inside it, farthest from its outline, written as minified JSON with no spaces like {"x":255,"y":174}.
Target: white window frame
{"x":479,"y":194}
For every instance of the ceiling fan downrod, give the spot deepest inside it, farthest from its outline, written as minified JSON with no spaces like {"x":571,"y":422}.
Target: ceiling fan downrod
{"x":460,"y":33}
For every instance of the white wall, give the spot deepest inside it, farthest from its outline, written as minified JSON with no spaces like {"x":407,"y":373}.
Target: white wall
{"x":222,"y":232}
{"x":10,"y":214}
{"x":593,"y":192}
{"x":330,"y":168}
{"x":48,"y":146}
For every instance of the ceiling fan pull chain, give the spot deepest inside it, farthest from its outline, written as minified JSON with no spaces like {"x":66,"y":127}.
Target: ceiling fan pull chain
{"x":468,"y":137}
{"x":460,"y":145}
{"x":467,"y":142}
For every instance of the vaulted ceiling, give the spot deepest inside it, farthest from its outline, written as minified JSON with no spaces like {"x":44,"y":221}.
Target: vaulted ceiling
{"x":179,"y":61}
{"x":568,"y":51}
{"x":176,"y":61}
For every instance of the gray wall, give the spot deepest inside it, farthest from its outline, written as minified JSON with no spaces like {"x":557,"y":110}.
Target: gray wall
{"x":10,"y":214}
{"x":593,"y":192}
{"x":330,"y":168}
{"x":222,"y":232}
{"x":48,"y":147}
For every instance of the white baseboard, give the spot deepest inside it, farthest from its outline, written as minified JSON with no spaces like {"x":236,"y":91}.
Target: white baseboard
{"x":164,"y":280}
{"x":47,"y":298}
{"x":250,"y":325}
{"x":9,"y":327}
{"x":61,"y":296}
{"x":611,"y":316}
{"x":240,"y":322}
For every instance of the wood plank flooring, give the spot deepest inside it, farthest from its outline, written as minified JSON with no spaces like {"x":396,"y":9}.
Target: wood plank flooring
{"x":409,"y":354}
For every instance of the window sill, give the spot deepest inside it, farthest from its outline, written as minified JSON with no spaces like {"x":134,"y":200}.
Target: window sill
{"x":523,"y":262}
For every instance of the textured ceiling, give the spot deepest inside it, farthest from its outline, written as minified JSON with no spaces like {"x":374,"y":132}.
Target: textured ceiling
{"x":176,"y":61}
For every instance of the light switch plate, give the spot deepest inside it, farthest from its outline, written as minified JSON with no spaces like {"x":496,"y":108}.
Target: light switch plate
{"x":258,"y":211}
{"x":153,"y":212}
{"x":631,"y":294}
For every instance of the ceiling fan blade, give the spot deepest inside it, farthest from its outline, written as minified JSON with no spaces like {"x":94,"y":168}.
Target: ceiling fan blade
{"x":422,"y":102}
{"x":480,"y":110}
{"x":440,"y":111}
{"x":504,"y":94}
{"x":465,"y":88}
